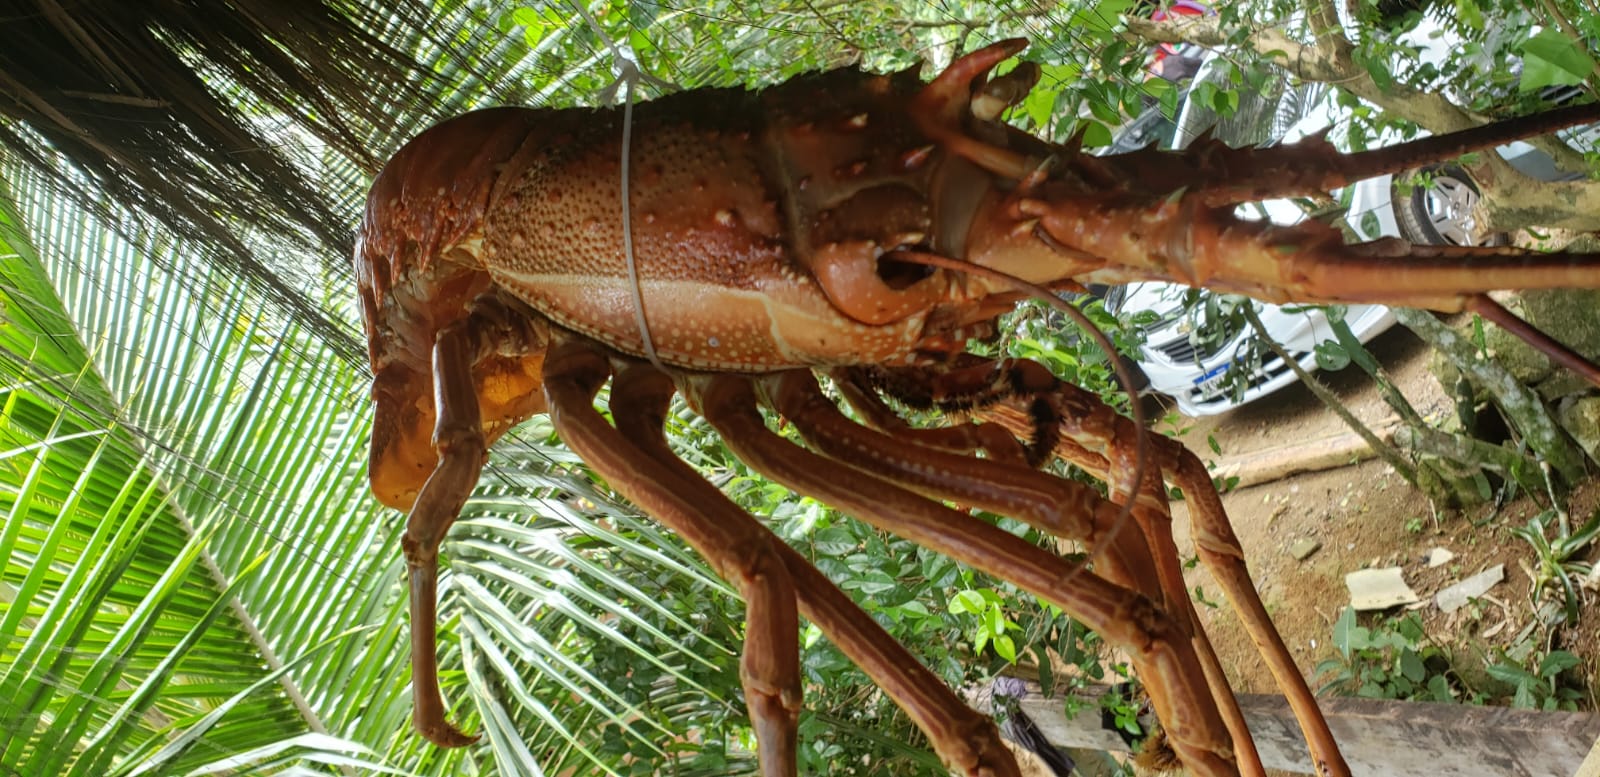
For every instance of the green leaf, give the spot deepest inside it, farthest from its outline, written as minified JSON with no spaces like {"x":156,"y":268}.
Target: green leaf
{"x":532,"y":22}
{"x":915,"y":607}
{"x":1556,"y":662}
{"x":1376,"y":65}
{"x":1104,"y":106}
{"x":1510,"y":673}
{"x":1047,"y":674}
{"x":1005,"y":647}
{"x":1468,"y":13}
{"x":1523,"y":699}
{"x":1368,"y":640}
{"x":1583,"y":536}
{"x":1040,"y":106}
{"x":1327,"y":665}
{"x":1411,"y":666}
{"x":1101,"y":17}
{"x":1343,"y":632}
{"x":191,"y":735}
{"x":1410,"y":627}
{"x":834,"y":541}
{"x":1439,"y":688}
{"x":1169,"y":103}
{"x":968,"y":601}
{"x":994,"y":619}
{"x":1550,"y":58}
{"x":1331,"y":356}
{"x":1095,"y":134}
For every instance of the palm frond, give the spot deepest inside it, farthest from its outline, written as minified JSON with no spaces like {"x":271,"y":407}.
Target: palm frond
{"x":109,"y":598}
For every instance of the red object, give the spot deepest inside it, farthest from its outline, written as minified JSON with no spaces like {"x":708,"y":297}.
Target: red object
{"x":1180,"y":8}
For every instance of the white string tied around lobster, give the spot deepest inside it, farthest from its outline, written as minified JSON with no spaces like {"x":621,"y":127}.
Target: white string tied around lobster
{"x":628,"y":74}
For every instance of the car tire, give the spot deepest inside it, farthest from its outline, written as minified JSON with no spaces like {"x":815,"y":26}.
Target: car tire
{"x":1445,"y":213}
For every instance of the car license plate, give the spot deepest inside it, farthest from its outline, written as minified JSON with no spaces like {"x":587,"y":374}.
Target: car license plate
{"x":1209,"y":385}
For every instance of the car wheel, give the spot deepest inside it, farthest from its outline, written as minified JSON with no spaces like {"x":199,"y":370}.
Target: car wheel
{"x":1445,"y":213}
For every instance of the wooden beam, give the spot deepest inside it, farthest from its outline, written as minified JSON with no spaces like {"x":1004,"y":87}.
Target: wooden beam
{"x":1591,"y":763}
{"x":1379,"y":737}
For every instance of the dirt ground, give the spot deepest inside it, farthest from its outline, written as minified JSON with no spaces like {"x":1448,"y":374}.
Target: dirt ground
{"x":1364,"y":515}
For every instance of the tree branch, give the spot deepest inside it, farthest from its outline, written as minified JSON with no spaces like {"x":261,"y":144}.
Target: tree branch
{"x":1326,"y":33}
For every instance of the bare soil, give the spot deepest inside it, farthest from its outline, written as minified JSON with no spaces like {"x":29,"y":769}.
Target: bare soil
{"x":1365,"y":515}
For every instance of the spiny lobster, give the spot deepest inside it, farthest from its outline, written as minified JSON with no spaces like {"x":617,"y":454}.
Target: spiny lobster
{"x":867,"y":226}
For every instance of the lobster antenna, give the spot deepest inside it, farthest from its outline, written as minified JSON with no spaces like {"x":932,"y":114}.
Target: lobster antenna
{"x":626,"y":66}
{"x":1124,"y":380}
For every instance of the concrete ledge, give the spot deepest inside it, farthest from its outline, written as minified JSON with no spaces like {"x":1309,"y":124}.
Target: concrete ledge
{"x":1379,"y":737}
{"x":1277,"y":463}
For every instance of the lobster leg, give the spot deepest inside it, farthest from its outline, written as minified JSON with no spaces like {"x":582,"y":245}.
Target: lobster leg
{"x":1180,"y":239}
{"x":458,"y":437}
{"x":1247,"y":176}
{"x":1219,"y":549}
{"x":1095,"y":437}
{"x":968,"y":742}
{"x":1051,"y":403}
{"x":1151,"y":511}
{"x":742,"y":551}
{"x":1558,"y":352}
{"x":987,"y":382}
{"x":1062,"y":507}
{"x":1228,"y":176}
{"x":1122,"y":616}
{"x":992,"y":439}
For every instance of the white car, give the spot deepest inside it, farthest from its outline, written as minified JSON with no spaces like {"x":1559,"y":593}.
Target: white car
{"x":1193,"y":370}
